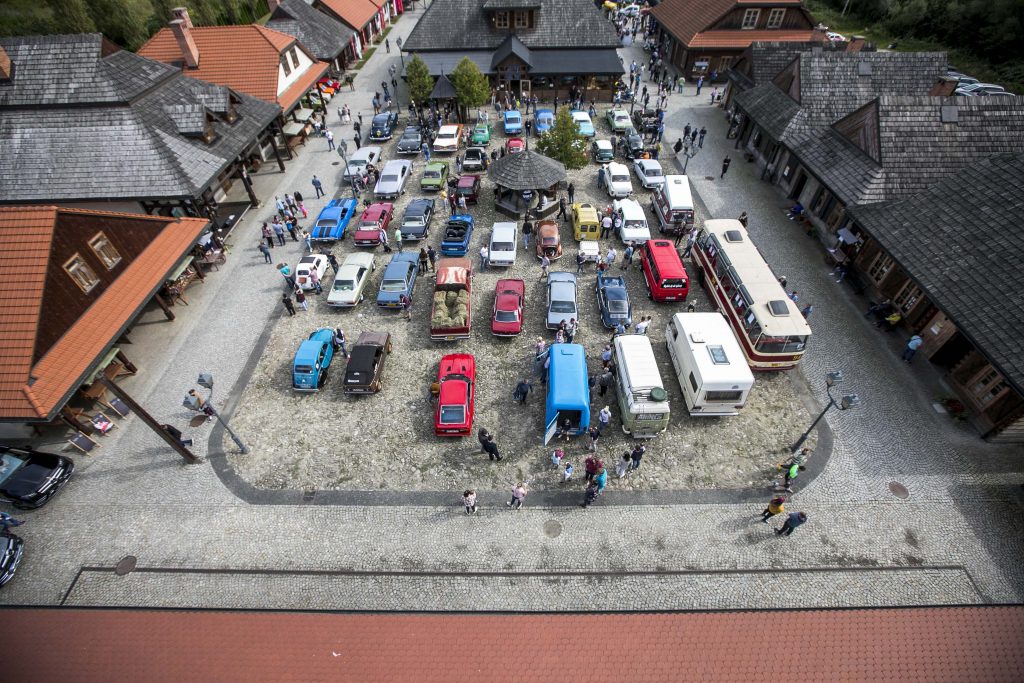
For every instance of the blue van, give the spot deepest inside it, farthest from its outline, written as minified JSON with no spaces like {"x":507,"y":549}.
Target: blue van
{"x":568,"y":391}
{"x":313,"y":360}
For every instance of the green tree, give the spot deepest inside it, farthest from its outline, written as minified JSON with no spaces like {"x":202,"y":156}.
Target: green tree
{"x":472,"y":88}
{"x":418,"y":77}
{"x":71,"y":16}
{"x":563,"y":141}
{"x":122,"y":21}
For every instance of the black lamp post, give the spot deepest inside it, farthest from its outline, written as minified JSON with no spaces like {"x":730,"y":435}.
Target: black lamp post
{"x":342,"y":152}
{"x":206,"y":381}
{"x":845,"y":403}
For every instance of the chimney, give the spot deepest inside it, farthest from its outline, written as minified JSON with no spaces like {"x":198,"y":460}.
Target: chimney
{"x":944,"y":87}
{"x":856,"y":44}
{"x":6,"y":68}
{"x":818,"y":34}
{"x":189,"y":51}
{"x":182,"y":13}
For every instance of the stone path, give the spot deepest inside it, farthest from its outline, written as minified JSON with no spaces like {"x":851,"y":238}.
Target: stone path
{"x":956,"y":539}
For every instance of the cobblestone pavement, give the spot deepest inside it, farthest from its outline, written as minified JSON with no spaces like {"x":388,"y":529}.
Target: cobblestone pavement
{"x":958,"y":531}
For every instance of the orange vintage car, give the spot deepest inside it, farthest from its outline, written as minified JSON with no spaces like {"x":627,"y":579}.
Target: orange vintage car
{"x":549,"y":243}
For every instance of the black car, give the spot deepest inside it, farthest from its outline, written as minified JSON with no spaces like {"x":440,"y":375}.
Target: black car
{"x":646,"y":120}
{"x":363,"y":374}
{"x":11,"y":549}
{"x":29,"y":478}
{"x":382,"y":127}
{"x":633,"y":144}
{"x":410,"y":141}
{"x":416,"y":219}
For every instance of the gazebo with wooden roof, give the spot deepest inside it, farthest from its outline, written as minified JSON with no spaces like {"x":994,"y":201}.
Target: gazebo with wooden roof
{"x":526,"y":183}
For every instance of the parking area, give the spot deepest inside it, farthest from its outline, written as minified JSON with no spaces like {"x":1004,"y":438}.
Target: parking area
{"x":328,"y":440}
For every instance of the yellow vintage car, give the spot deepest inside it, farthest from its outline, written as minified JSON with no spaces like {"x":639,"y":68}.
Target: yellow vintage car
{"x":610,"y":6}
{"x":584,"y":221}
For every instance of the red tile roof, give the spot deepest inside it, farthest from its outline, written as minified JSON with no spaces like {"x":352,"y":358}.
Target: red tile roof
{"x":907,"y":645}
{"x":355,"y":13}
{"x":684,"y":19}
{"x":742,"y":39}
{"x":245,"y":58}
{"x":27,"y":233}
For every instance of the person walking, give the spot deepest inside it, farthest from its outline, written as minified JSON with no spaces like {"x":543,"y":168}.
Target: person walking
{"x":6,"y":521}
{"x":288,"y":306}
{"x":600,"y":177}
{"x":700,"y":136}
{"x":606,"y":226}
{"x":318,"y":186}
{"x":776,"y":506}
{"x":714,"y":94}
{"x":641,"y":327}
{"x":571,"y":191}
{"x":518,"y":495}
{"x":406,"y":303}
{"x":561,"y":209}
{"x":357,"y":139}
{"x":332,"y":261}
{"x":330,"y":140}
{"x":286,"y":273}
{"x":590,"y":494}
{"x":432,"y":255}
{"x":265,"y":250}
{"x":793,"y":520}
{"x":725,"y":166}
{"x":278,"y":228}
{"x":604,"y":418}
{"x":482,"y":435}
{"x":594,"y":433}
{"x":522,"y":390}
{"x":308,"y":239}
{"x":484,"y":252}
{"x":604,"y":381}
{"x":606,"y":356}
{"x":912,"y":346}
{"x":545,"y":263}
{"x":268,"y":235}
{"x":700,"y":84}
{"x":622,"y":467}
{"x":636,"y":455}
{"x":591,"y":465}
{"x":339,"y":341}
{"x":398,"y":239}
{"x":300,"y":298}
{"x":314,"y":280}
{"x":627,"y":256}
{"x":808,"y":309}
{"x":601,"y":478}
{"x":580,"y":262}
{"x":690,"y":241}
{"x":424,"y":259}
{"x":387,"y":45}
{"x":425,"y":148}
{"x":492,"y":448}
{"x":469,"y":500}
{"x":527,"y":231}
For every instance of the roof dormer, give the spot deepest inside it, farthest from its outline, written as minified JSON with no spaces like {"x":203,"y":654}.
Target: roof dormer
{"x":512,"y":15}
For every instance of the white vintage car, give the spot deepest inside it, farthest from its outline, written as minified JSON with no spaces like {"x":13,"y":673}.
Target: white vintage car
{"x":308,"y":264}
{"x":351,"y":279}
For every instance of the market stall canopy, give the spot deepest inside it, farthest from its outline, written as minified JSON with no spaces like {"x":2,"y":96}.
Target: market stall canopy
{"x":526,"y":170}
{"x":443,"y":89}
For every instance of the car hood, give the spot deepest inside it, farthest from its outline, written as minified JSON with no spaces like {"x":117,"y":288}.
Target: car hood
{"x":28,"y":480}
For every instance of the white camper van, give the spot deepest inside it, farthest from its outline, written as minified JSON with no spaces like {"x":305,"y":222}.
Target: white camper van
{"x":643,"y":401}
{"x":709,"y":364}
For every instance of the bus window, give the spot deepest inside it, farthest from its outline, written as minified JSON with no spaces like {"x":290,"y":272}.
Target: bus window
{"x":781,"y":344}
{"x":750,"y":322}
{"x":738,"y":302}
{"x":693,"y":383}
{"x":723,"y":396}
{"x":654,"y":271}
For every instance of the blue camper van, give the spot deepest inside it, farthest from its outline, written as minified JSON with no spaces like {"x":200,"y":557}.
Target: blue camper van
{"x":568,"y":391}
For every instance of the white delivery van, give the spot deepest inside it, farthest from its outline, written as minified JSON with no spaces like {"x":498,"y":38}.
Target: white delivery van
{"x":709,"y":364}
{"x":642,"y":399}
{"x":673,"y":205}
{"x":634,"y":221}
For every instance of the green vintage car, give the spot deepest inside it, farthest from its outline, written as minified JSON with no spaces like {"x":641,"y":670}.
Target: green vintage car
{"x":481,"y":134}
{"x":618,"y":119}
{"x":435,"y":175}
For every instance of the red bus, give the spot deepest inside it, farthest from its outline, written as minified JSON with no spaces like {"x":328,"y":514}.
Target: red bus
{"x":664,"y":274}
{"x":768,"y":325}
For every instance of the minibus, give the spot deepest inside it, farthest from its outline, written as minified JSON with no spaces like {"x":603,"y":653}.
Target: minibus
{"x":642,"y":399}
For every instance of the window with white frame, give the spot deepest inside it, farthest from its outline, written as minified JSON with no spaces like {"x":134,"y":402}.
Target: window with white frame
{"x":501,"y":19}
{"x":81,"y":273}
{"x":775,"y":17}
{"x":105,"y":251}
{"x":750,"y":18}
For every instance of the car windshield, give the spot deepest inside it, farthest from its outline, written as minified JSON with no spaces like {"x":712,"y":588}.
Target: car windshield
{"x":546,"y":118}
{"x":432,"y":173}
{"x":344,"y":285}
{"x":445,"y":136}
{"x":9,"y":464}
{"x":393,"y":286}
{"x":357,"y":163}
{"x":653,"y":172}
{"x":453,"y":414}
{"x":636,"y":224}
{"x":506,"y":316}
{"x":620,"y":178}
{"x":303,"y":369}
{"x":413,"y":220}
{"x":552,"y":241}
{"x":369,"y":225}
{"x":617,"y":306}
{"x":326,"y":223}
{"x":512,"y":118}
{"x":502,"y":246}
{"x":389,"y":179}
{"x":563,"y":307}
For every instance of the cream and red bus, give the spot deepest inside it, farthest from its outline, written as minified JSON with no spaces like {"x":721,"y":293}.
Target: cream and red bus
{"x":768,"y":325}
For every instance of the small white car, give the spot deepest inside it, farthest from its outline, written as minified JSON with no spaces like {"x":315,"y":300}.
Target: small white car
{"x":351,"y":279}
{"x":357,"y":161}
{"x":591,"y":250}
{"x":584,"y":124}
{"x":307,"y":264}
{"x":502,"y":249}
{"x":634,"y":221}
{"x":561,"y":299}
{"x":393,"y":177}
{"x":648,"y":173}
{"x":617,"y":180}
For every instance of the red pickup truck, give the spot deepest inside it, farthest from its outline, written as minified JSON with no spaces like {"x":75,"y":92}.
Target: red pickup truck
{"x":452,"y":312}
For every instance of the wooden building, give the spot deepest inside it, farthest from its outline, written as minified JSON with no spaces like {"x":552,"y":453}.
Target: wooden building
{"x":544,"y":48}
{"x":706,"y":37}
{"x":328,"y":39}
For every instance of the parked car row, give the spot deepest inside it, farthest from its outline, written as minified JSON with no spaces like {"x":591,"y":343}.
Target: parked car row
{"x":970,"y":86}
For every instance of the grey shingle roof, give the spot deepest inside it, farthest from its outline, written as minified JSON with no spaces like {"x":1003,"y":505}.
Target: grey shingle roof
{"x":769,"y":58}
{"x":511,"y":4}
{"x":511,"y":46}
{"x":526,"y":170}
{"x":321,"y":33}
{"x":449,"y":25}
{"x":771,"y":108}
{"x":103,"y":146}
{"x":443,"y":89}
{"x":917,"y":149}
{"x":960,"y":241}
{"x":61,"y":70}
{"x":603,"y":61}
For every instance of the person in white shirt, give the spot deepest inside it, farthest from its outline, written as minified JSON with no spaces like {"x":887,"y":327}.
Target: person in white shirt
{"x":641,"y":327}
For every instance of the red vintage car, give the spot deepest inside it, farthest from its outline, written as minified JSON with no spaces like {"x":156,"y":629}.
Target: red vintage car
{"x":377,"y":217}
{"x":457,"y":376}
{"x":514,"y":145}
{"x":469,"y":187}
{"x":507,"y":319}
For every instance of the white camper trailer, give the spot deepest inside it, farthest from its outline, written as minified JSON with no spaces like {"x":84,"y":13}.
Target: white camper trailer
{"x":709,"y":364}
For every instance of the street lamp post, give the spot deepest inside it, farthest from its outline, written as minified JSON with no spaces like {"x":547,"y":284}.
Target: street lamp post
{"x":845,"y":403}
{"x":343,"y":153}
{"x":689,"y":151}
{"x":206,"y":381}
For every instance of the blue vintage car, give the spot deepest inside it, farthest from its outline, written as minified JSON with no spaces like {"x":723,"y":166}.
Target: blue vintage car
{"x":513,"y":122}
{"x":613,"y":300}
{"x":544,"y":119}
{"x":457,"y":235}
{"x":333,"y":219}
{"x":313,"y":360}
{"x":399,"y":278}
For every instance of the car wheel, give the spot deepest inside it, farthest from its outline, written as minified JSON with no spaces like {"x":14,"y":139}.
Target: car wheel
{"x":361,"y":297}
{"x":323,"y":378}
{"x":387,"y":348}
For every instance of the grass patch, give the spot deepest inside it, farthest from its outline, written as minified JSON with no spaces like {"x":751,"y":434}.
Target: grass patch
{"x":366,"y":55}
{"x":1004,"y":74}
